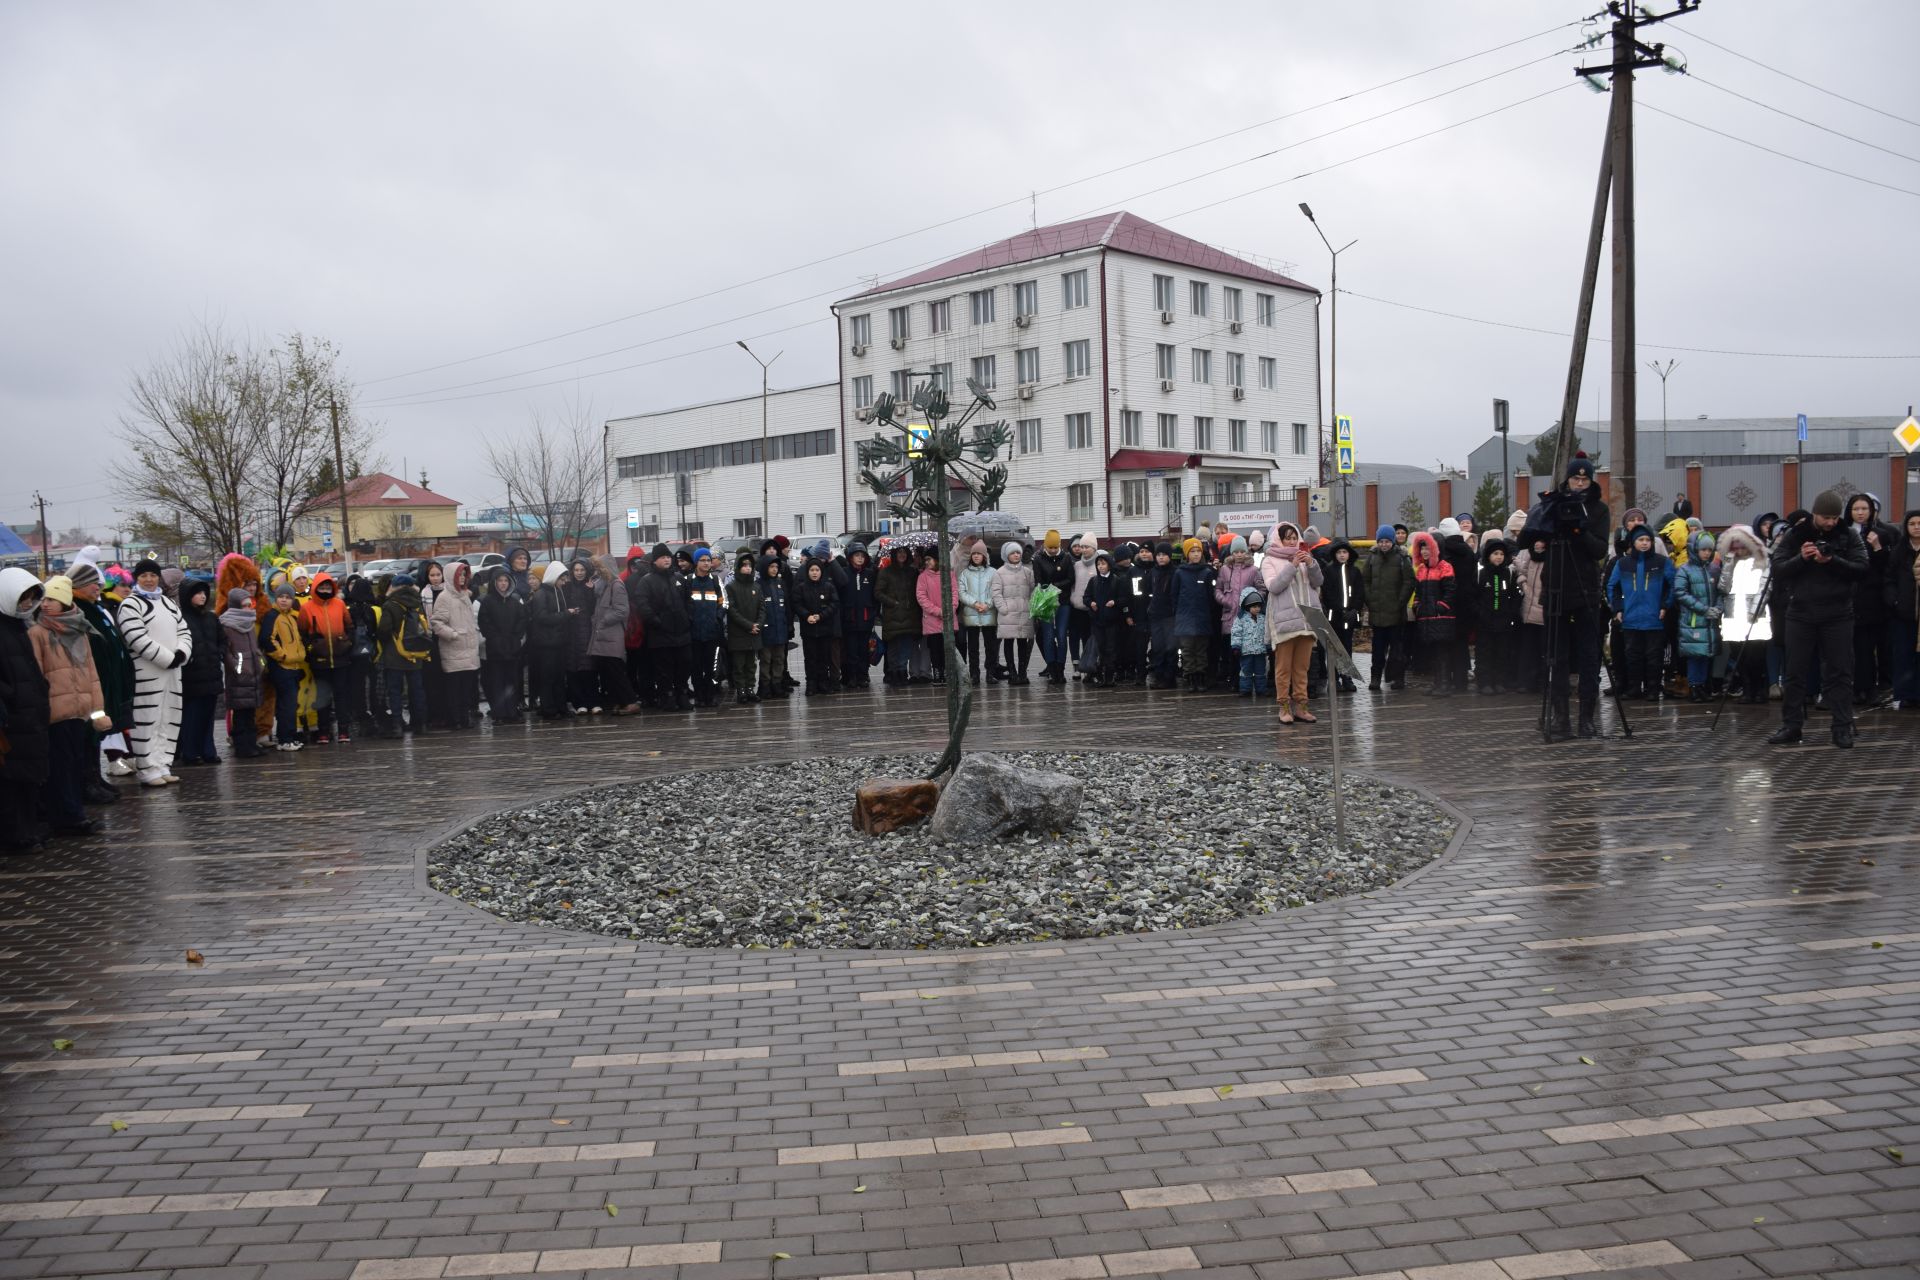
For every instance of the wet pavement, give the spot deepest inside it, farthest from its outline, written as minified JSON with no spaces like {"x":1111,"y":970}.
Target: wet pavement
{"x":1656,"y":1013}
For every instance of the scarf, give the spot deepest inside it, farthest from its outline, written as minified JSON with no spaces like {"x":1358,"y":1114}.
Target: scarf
{"x":72,"y":632}
{"x":237,"y":619}
{"x":154,"y":594}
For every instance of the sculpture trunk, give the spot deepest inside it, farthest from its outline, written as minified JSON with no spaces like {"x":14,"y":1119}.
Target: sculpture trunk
{"x":959,"y":697}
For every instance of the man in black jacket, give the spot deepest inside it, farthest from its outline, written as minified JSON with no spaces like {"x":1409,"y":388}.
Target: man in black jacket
{"x":669,"y":641}
{"x":1574,"y":523}
{"x":854,"y":578}
{"x":1053,"y":567}
{"x":1822,"y":561}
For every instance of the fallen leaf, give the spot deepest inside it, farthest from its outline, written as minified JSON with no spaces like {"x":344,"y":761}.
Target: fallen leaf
{"x":1878,"y":945}
{"x":1897,"y":1153}
{"x":1538,"y":1087}
{"x":1224,"y":1090}
{"x":1868,"y":862}
{"x":1759,"y":1219}
{"x":925,"y":996}
{"x":119,"y":1126}
{"x":862,"y":1187}
{"x":63,"y":1045}
{"x":1584,"y":1058}
{"x":1066,"y":1124}
{"x":781,"y":1257}
{"x":1667,"y":857}
{"x":613,"y":1211}
{"x":194,"y":957}
{"x":566,"y":906}
{"x":563,"y":1122}
{"x":1549,"y":990}
{"x":1796,"y":891}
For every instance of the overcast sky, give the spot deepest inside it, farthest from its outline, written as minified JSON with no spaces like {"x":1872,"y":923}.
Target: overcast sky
{"x":427,"y":182}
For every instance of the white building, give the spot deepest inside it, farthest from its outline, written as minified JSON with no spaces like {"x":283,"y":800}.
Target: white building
{"x":1141,"y":370}
{"x":696,"y":472}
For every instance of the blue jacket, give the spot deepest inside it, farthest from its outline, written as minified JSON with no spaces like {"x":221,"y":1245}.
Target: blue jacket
{"x":706,"y":608}
{"x":1249,"y":634}
{"x":1697,"y":593}
{"x":775,"y":627}
{"x":1639,"y":587}
{"x":1195,"y":611}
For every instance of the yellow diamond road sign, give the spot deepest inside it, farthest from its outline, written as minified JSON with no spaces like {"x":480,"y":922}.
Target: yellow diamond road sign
{"x":1908,"y":434}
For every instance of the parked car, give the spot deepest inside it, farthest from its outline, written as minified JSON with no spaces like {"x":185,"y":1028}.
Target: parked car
{"x":725,"y":549}
{"x":373,"y":568}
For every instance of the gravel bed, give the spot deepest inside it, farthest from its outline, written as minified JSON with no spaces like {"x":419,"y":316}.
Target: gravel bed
{"x":766,"y":856}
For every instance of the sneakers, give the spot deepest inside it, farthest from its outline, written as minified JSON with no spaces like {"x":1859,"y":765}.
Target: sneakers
{"x":343,"y":739}
{"x":322,"y":739}
{"x":119,"y":768}
{"x":290,"y":746}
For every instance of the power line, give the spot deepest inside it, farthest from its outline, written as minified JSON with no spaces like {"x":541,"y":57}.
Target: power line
{"x":1662,"y":346}
{"x":1814,"y":124}
{"x":1811,"y":164}
{"x":1808,"y":83}
{"x":665,"y":306}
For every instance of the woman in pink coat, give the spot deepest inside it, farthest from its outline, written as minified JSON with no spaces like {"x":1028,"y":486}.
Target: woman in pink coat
{"x":927,"y":591}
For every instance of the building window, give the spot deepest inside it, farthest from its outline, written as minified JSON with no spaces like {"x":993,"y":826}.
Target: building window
{"x":1269,"y":373}
{"x":1026,"y":298}
{"x":1073,"y":290}
{"x":901,"y":384}
{"x":980,"y":302}
{"x":1163,"y":360}
{"x":899,"y":323}
{"x":1027,"y":364}
{"x":1169,"y":431}
{"x":1236,"y":369}
{"x":1080,"y":502}
{"x":1202,"y":365}
{"x":1027,"y":432}
{"x":1197,"y":293}
{"x":820,"y":522}
{"x":1230,"y":300}
{"x":863,"y":391}
{"x":983,"y":372}
{"x":1203,"y":434}
{"x":1079,"y":358}
{"x":747,"y":527}
{"x":860,"y":330}
{"x":1263,"y":308}
{"x":866,"y":512}
{"x":734,"y":453}
{"x":406,"y":522}
{"x":1236,"y":435}
{"x":646,"y":535}
{"x":1269,"y":437}
{"x":939,"y":316}
{"x":1300,"y":437}
{"x":1171,"y":496}
{"x":1130,"y":427}
{"x":1079,"y":431}
{"x":799,"y":524}
{"x":1163,"y":293}
{"x":693,"y":530}
{"x":941,"y":376}
{"x":1133,"y":497}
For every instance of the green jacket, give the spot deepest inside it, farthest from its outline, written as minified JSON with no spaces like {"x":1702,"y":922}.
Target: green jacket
{"x":1388,"y":572}
{"x":743,"y":614}
{"x":112,"y":662}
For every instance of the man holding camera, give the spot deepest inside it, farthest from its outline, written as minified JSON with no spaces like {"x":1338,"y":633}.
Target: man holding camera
{"x":1575,"y":524}
{"x":1818,"y":562}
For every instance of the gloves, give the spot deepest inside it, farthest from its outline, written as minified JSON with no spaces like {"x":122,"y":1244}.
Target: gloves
{"x":1713,"y":615}
{"x":179,"y":659}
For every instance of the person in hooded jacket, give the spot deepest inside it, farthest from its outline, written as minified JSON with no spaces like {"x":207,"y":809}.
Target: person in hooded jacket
{"x":1434,"y":591}
{"x":896,"y":592}
{"x":662,"y":603}
{"x":203,"y":678}
{"x":1388,"y":573}
{"x":1459,"y":553}
{"x":1343,"y":594}
{"x":608,"y":643}
{"x":635,"y":638}
{"x":1500,"y":611}
{"x":706,"y":602}
{"x":549,"y":644}
{"x":1081,"y":636}
{"x":457,"y":630}
{"x":1575,"y":523}
{"x":1163,"y":653}
{"x":1053,"y":567}
{"x":1135,"y":603}
{"x":241,"y":675}
{"x":1640,"y":592}
{"x":1696,"y":597}
{"x":157,"y":638}
{"x":816,"y":605}
{"x":1902,"y":599}
{"x":1012,"y":595}
{"x":1820,"y":560}
{"x":746,"y":611}
{"x":854,"y":579}
{"x":1252,"y":648}
{"x":25,"y":708}
{"x":366,"y":692}
{"x":1528,"y":565}
{"x":326,"y":626}
{"x":977,"y":618}
{"x":1872,"y":641}
{"x":1236,"y":572}
{"x":503,"y":632}
{"x":406,"y":647}
{"x":1293,"y":578}
{"x":76,"y":714}
{"x":776,"y":627}
{"x":1196,"y":616}
{"x":1103,"y":601}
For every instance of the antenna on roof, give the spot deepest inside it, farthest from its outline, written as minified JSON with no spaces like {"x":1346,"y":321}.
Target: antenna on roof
{"x":1033,"y":198}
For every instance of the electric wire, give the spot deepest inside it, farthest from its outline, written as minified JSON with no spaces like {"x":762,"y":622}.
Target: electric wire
{"x":1867,"y":106}
{"x":1813,"y":124}
{"x":1758,"y":146}
{"x":1345,"y":97}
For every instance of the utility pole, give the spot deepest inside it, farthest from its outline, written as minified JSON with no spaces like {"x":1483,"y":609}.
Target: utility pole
{"x":340,"y":474}
{"x":1664,"y":374}
{"x":1629,"y":55}
{"x":766,"y":516}
{"x":42,"y":504}
{"x":1333,"y":378}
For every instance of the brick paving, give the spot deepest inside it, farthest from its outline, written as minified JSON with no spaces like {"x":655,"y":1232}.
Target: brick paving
{"x":1635,"y":1024}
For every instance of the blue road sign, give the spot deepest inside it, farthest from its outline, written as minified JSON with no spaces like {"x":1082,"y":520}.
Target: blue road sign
{"x":1800,"y":427}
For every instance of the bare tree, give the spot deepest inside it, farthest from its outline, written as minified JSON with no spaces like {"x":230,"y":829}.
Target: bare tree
{"x":553,"y":474}
{"x":191,"y":436}
{"x":295,"y":458}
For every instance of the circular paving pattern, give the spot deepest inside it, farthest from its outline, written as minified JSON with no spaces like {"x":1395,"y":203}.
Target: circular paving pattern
{"x":767,"y":856}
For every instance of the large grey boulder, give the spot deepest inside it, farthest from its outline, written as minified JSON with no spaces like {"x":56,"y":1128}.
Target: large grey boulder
{"x":988,"y":798}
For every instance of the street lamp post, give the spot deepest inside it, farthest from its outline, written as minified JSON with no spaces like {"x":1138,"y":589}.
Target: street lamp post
{"x":766,"y":515}
{"x":1334,"y":329}
{"x":1655,"y":366}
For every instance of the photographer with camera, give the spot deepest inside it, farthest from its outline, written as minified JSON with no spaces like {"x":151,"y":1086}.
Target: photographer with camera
{"x":1819,"y":561}
{"x":1575,"y":525}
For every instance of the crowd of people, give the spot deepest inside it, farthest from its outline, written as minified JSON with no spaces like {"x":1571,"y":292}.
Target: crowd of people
{"x":112,"y":673}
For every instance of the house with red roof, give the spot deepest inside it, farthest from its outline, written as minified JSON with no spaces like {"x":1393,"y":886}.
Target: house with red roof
{"x":397,"y":517}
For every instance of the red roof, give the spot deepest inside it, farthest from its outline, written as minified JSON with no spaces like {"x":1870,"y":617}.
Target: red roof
{"x":1122,"y":232}
{"x":383,"y":490}
{"x":1151,"y":460}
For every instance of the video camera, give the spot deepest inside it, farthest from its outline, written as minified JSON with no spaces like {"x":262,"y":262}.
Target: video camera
{"x":1826,"y":544}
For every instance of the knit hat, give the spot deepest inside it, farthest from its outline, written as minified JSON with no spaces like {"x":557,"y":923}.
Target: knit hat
{"x":1383,"y":534}
{"x":83,"y":574}
{"x":146,"y":566}
{"x":1052,"y":541}
{"x":1103,"y":554}
{"x":701,"y":553}
{"x":406,"y":579}
{"x":1515,"y":523}
{"x":1008,"y":550}
{"x":239,"y":598}
{"x":822,"y":550}
{"x":1580,"y":464}
{"x":1238,"y":545}
{"x":1828,"y":504}
{"x":59,"y":587}
{"x":1256,"y":540}
{"x":1694,"y":525}
{"x":1463,"y":519}
{"x":285,"y":590}
{"x":1189,"y":546}
{"x":172,"y":576}
{"x":1639,"y":532}
{"x":1163,"y":548}
{"x":1449,"y":528}
{"x":1631,"y":512}
{"x":661,"y":551}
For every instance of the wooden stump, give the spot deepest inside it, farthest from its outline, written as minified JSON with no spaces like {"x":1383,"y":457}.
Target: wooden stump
{"x":885,"y":804}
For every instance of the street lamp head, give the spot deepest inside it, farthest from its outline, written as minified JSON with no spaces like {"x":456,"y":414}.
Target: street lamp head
{"x":1304,"y":208}
{"x":743,"y":346}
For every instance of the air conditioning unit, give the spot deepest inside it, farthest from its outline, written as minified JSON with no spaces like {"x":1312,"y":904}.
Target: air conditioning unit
{"x":859,"y":348}
{"x":1026,"y":390}
{"x":1235,"y":327}
{"x":899,"y":344}
{"x":1166,"y":384}
{"x":1239,"y":393}
{"x":1021,"y":322}
{"x":863,"y":415}
{"x":1166,"y":317}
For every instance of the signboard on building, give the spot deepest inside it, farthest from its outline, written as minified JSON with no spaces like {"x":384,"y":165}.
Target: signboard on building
{"x":1247,"y":517}
{"x":1320,"y":501}
{"x":633,"y":517}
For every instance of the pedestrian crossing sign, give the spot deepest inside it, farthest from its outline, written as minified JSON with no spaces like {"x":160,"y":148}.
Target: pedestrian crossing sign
{"x":1908,"y":434}
{"x":1344,"y":454}
{"x":1343,"y":429}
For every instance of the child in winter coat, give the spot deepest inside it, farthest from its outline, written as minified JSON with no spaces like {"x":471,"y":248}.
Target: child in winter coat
{"x":1250,"y":644}
{"x":286,"y":654}
{"x":1434,"y":591}
{"x":1012,"y":594}
{"x":1640,"y":590}
{"x":1196,"y":616}
{"x":1500,"y":607}
{"x":745,"y":609}
{"x":977,"y":616}
{"x":1136,"y":613}
{"x":1529,"y":572}
{"x":776,"y":628}
{"x":1343,"y":594}
{"x":817,"y":605}
{"x":201,"y":678}
{"x":927,"y":591}
{"x":1696,"y":593}
{"x":240,"y":671}
{"x":1103,"y":605}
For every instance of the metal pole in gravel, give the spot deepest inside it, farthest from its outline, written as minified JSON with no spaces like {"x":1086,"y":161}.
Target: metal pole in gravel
{"x":1340,"y":663}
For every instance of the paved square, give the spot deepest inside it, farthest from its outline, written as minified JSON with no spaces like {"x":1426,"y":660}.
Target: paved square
{"x":1636,"y":1024}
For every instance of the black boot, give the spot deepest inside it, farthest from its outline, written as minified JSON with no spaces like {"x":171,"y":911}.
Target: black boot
{"x":1588,"y":729}
{"x":1783,"y":737}
{"x":1843,"y":736}
{"x":1558,"y":730}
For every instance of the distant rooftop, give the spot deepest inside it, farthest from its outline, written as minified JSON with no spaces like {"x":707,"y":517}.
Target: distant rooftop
{"x":1122,"y":232}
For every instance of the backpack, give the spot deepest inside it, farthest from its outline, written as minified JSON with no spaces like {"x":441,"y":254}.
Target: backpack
{"x":414,"y":641}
